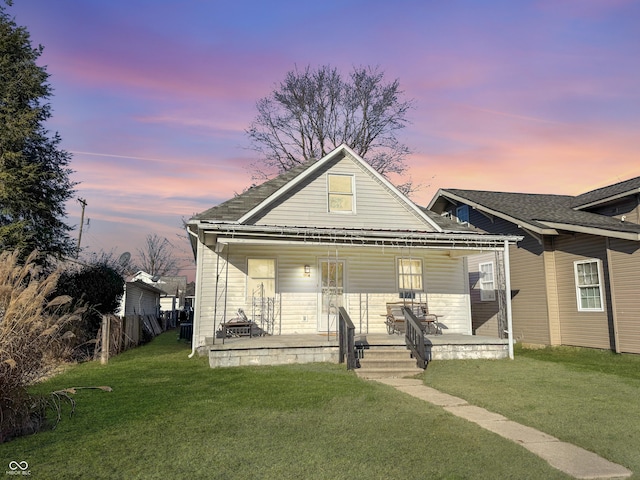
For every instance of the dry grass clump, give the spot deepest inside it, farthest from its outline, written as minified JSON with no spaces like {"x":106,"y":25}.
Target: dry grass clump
{"x":32,"y":340}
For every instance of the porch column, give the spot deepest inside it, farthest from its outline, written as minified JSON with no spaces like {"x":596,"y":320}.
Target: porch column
{"x":507,"y":288}
{"x":195,"y":323}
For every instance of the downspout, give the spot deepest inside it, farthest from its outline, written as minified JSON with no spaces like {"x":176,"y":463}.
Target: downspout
{"x":196,"y":310}
{"x":507,"y":288}
{"x":612,"y":295}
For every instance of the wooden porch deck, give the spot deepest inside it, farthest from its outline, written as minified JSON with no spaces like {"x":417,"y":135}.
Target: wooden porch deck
{"x":306,"y":348}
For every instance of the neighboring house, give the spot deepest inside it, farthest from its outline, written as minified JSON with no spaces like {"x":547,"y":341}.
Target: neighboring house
{"x":329,"y":233}
{"x":140,"y":298}
{"x":574,"y":277}
{"x":173,"y":289}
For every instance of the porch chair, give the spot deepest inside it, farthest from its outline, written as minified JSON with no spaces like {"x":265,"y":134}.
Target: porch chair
{"x":395,"y":318}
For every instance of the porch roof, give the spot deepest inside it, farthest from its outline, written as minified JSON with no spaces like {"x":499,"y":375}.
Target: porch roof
{"x":211,"y":233}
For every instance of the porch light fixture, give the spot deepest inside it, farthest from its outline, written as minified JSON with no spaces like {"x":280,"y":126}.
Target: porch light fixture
{"x":307,"y":271}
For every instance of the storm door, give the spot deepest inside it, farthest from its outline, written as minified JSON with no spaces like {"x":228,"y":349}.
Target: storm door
{"x":331,"y":293}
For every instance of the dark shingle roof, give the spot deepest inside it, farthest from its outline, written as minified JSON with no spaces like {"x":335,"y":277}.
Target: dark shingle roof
{"x":633,"y":184}
{"x":533,"y":209}
{"x":234,"y":208}
{"x":446,"y":223}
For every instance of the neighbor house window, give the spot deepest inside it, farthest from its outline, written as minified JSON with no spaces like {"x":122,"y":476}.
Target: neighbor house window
{"x":462,"y":214}
{"x":261,"y":277}
{"x":409,"y":275}
{"x":487,"y":282}
{"x":341,"y":193}
{"x":588,"y":285}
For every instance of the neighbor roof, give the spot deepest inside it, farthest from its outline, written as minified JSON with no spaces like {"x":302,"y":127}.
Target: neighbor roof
{"x":610,"y":192}
{"x":537,"y":211}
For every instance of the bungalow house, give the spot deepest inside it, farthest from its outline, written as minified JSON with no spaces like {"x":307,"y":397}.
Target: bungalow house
{"x":574,"y":277}
{"x":329,"y":233}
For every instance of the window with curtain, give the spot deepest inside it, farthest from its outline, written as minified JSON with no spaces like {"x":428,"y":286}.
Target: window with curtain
{"x":487,"y":282}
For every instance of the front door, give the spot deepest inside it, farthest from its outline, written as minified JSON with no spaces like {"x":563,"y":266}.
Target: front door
{"x":331,"y":293}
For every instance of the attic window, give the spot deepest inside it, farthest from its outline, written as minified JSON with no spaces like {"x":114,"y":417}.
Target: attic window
{"x":341,"y":193}
{"x":462,"y":214}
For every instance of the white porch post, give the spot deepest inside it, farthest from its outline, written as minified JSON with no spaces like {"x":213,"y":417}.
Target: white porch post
{"x":195,"y":323}
{"x":507,"y":288}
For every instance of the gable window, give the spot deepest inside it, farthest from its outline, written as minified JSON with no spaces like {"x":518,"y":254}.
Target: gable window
{"x":409,"y":275}
{"x":462,"y":214}
{"x":341,"y":193}
{"x":588,"y":285}
{"x":261,"y":277}
{"x":487,"y":282}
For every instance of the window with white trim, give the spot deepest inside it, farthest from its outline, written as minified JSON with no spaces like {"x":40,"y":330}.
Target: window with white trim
{"x":462,"y":214}
{"x":340,"y":189}
{"x":487,"y":282}
{"x":409,"y":274}
{"x":588,"y":285}
{"x":261,"y":277}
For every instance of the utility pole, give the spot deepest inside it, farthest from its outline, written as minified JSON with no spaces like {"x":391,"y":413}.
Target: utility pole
{"x":83,"y":202}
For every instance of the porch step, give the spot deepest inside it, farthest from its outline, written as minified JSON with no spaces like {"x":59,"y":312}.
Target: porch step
{"x":386,"y":362}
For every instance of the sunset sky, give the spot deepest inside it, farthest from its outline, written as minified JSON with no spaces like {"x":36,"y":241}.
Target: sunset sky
{"x":153,"y":97}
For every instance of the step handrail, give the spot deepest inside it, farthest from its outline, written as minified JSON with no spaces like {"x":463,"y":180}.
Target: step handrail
{"x":346,"y":338}
{"x":414,"y":338}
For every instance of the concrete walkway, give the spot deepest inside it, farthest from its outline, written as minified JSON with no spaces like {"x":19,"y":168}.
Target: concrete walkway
{"x":572,"y":460}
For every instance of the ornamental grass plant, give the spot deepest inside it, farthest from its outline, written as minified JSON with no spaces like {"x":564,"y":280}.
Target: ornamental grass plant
{"x":33,"y":340}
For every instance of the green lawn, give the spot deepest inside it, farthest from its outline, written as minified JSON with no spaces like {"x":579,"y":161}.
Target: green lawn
{"x":170,"y":417}
{"x":586,"y":397}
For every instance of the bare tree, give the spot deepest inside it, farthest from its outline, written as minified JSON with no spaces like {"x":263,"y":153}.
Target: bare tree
{"x":157,"y":258}
{"x":313,"y":111}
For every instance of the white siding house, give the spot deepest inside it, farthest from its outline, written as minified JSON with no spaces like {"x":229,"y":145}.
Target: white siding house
{"x":329,"y":233}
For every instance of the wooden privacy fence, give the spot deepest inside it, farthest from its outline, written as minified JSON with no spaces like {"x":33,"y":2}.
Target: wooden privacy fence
{"x":118,"y":334}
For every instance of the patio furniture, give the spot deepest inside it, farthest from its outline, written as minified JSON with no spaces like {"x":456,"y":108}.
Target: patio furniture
{"x":396,"y":323}
{"x":240,"y":326}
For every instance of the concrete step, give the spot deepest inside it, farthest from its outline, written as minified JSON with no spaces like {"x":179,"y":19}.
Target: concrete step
{"x":387,"y":362}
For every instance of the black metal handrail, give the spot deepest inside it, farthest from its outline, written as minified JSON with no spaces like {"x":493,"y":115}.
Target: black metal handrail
{"x":414,"y":338}
{"x":346,"y":337}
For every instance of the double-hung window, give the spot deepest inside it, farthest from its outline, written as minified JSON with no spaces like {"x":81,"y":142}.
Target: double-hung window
{"x":409,"y":275}
{"x":588,"y":285}
{"x":341,"y":193}
{"x":487,"y":282}
{"x":261,"y":277}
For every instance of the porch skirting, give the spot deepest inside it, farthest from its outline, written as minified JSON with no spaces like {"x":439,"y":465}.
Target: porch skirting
{"x":290,"y":349}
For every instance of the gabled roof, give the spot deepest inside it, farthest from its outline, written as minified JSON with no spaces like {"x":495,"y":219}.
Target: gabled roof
{"x":144,"y":285}
{"x":235,"y":208}
{"x":607,"y":194}
{"x":540,"y":213}
{"x":242,"y":207}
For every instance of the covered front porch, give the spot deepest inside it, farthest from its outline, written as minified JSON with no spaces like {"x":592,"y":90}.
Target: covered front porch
{"x":307,"y":348}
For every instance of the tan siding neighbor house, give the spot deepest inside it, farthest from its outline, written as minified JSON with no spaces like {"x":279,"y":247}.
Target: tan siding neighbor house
{"x":574,"y":277}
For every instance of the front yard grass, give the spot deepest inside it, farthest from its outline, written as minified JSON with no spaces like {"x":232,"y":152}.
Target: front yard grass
{"x":582,"y":396}
{"x":169,"y":416}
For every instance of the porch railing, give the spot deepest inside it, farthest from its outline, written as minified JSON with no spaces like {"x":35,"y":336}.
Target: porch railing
{"x":346,"y":337}
{"x":414,"y":338}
